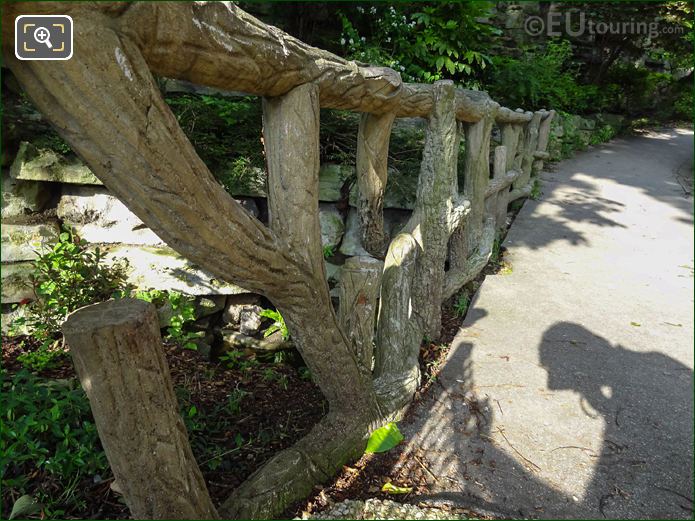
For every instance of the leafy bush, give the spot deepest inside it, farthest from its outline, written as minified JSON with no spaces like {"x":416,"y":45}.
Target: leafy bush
{"x":277,"y":325}
{"x":48,"y":430}
{"x":461,"y":305}
{"x":180,"y":309}
{"x":65,"y":278}
{"x":547,"y":79}
{"x":423,"y":42}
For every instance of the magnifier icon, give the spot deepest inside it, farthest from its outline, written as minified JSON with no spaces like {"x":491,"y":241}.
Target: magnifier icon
{"x":43,"y":35}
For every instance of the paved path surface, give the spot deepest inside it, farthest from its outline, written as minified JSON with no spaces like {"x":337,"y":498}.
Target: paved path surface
{"x":569,"y":389}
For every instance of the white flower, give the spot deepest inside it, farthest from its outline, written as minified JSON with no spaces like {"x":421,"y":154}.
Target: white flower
{"x":372,"y":10}
{"x":388,"y":39}
{"x":352,"y":42}
{"x":360,"y":9}
{"x":342,"y":41}
{"x":402,"y":68}
{"x":363,"y":39}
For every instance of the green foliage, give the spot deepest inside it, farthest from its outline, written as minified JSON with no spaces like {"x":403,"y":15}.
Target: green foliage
{"x":277,"y":325}
{"x":226,"y":133}
{"x":542,"y":79}
{"x":65,"y":278}
{"x":205,"y":424}
{"x":47,"y":429}
{"x":384,"y":438}
{"x":423,"y":42}
{"x":328,"y":251}
{"x":496,"y":250}
{"x":536,"y":190}
{"x":180,"y":309}
{"x":461,"y":305}
{"x":602,"y":134}
{"x":238,"y":360}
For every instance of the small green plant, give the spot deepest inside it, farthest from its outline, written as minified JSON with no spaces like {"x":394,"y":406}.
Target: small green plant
{"x":277,"y":325}
{"x":496,"y":250}
{"x":48,"y":429}
{"x":536,"y":191}
{"x":65,"y":278}
{"x":181,"y":310}
{"x":328,"y":251}
{"x":603,"y":134}
{"x":461,"y":305}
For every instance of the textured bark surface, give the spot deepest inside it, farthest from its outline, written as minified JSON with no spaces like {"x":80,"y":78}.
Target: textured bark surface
{"x":117,"y":350}
{"x":396,"y":367}
{"x":543,"y":139}
{"x":466,"y":239}
{"x":360,"y":279}
{"x":528,"y":149}
{"x":438,"y":209}
{"x":372,"y":162}
{"x":498,"y":188}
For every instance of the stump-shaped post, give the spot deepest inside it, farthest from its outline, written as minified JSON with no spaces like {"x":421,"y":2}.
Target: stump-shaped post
{"x":359,"y":291}
{"x":543,"y":140}
{"x":499,"y":203}
{"x":372,"y":164}
{"x":117,"y":350}
{"x":466,"y":239}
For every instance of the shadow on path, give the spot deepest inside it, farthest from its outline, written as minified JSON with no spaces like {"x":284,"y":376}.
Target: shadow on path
{"x":640,"y":467}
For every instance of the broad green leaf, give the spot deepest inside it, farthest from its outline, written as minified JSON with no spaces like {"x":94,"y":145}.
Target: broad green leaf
{"x":24,"y":506}
{"x":384,"y":438}
{"x":393,"y":489}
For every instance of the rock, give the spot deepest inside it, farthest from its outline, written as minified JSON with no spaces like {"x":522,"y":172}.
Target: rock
{"x":250,"y":320}
{"x":252,"y":183}
{"x":400,"y":192}
{"x":9,"y":315}
{"x":352,"y":244}
{"x":249,"y":205}
{"x":16,"y":282}
{"x":99,"y":217}
{"x":331,"y":180}
{"x":164,"y":269}
{"x":209,"y":305}
{"x":24,"y":242}
{"x":22,"y":197}
{"x":235,"y":305}
{"x":394,"y":220}
{"x":332,"y":225}
{"x":332,"y":272}
{"x":34,"y":164}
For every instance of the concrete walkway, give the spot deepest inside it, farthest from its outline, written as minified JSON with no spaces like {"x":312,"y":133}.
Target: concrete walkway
{"x":568,"y":392}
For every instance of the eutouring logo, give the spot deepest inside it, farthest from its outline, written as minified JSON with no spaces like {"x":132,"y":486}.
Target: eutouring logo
{"x":574,"y":22}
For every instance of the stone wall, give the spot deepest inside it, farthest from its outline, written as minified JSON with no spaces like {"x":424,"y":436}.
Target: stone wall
{"x":43,"y":191}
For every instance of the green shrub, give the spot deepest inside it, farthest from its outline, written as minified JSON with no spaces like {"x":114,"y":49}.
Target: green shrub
{"x":424,"y":43}
{"x":181,"y":311}
{"x":542,"y":79}
{"x":277,"y":325}
{"x":461,"y":305}
{"x":48,"y":432}
{"x":65,"y":278}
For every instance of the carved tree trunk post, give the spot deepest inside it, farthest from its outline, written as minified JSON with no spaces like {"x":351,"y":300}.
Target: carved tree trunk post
{"x":437,"y":195}
{"x":543,"y":139}
{"x":372,"y":164}
{"x":117,"y":350}
{"x":396,"y":367}
{"x":498,"y":202}
{"x":412,"y":284}
{"x":359,"y":290}
{"x":466,"y":239}
{"x":530,"y":142}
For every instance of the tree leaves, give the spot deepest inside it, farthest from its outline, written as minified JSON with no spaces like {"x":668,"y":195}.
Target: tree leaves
{"x":384,"y":439}
{"x":25,"y":506}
